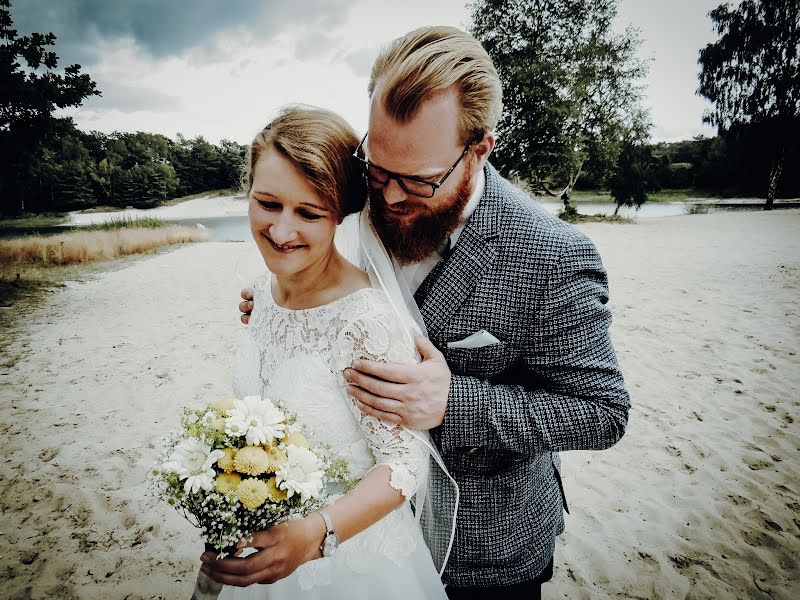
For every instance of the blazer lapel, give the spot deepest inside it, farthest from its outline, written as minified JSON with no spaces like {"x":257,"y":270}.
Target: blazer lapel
{"x":449,"y":284}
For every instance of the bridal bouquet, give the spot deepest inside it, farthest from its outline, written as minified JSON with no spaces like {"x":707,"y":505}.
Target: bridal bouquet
{"x":240,"y":466}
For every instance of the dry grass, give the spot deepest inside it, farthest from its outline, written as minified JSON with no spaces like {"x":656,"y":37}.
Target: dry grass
{"x":81,"y":247}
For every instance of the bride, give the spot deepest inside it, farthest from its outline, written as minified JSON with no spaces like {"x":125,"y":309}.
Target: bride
{"x":315,"y":314}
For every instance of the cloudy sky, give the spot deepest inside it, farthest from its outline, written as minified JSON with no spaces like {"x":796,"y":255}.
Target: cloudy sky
{"x":221,"y":69}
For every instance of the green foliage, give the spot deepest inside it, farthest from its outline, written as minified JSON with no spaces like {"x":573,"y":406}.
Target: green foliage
{"x":128,"y":223}
{"x":752,"y":76}
{"x":569,"y":213}
{"x":733,"y":163}
{"x":631,"y":181}
{"x":29,"y":95}
{"x":570,"y":87}
{"x":46,"y":164}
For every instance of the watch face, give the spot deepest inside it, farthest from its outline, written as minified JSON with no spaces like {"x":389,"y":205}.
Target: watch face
{"x":330,"y":545}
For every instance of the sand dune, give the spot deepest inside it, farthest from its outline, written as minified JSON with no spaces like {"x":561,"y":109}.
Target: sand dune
{"x":699,"y":500}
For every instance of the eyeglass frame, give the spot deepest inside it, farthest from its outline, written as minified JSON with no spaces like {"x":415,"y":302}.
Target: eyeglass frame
{"x":398,"y":177}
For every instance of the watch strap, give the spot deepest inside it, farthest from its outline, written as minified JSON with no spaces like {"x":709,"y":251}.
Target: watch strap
{"x":327,"y":518}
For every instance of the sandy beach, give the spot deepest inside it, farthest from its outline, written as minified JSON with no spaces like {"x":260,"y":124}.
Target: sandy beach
{"x":197,"y":208}
{"x":701,"y":498}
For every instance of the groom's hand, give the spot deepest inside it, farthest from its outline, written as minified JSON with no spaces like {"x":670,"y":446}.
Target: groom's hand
{"x":246,"y":306}
{"x":414,"y":396}
{"x":280,"y":551}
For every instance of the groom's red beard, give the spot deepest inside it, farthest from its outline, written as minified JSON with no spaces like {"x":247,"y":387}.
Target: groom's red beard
{"x":412,"y":241}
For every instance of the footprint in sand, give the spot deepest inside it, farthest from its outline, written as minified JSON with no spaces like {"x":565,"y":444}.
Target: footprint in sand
{"x":48,"y":455}
{"x":772,"y":525}
{"x":756,"y":464}
{"x":686,"y":563}
{"x":739,"y":500}
{"x":129,"y":521}
{"x":648,"y":559}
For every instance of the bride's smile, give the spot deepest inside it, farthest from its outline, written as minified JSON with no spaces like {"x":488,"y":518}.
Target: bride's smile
{"x":292,"y":226}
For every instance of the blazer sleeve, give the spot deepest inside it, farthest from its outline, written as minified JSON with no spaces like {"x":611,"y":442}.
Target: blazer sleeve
{"x":576,"y":398}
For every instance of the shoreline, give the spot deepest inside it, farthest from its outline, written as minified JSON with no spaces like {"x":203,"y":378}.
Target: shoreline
{"x":700,"y":498}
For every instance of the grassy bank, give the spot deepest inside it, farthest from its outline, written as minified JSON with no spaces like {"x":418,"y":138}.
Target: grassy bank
{"x":33,"y":221}
{"x":208,"y":194}
{"x":677,"y":195}
{"x":604,"y":196}
{"x":575,"y":217}
{"x":101,"y":242}
{"x":128,"y":223}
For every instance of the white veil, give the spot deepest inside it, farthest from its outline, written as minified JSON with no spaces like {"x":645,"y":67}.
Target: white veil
{"x":436,"y":501}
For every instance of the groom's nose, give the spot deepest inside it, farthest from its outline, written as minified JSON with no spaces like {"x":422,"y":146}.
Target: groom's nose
{"x":393,"y":193}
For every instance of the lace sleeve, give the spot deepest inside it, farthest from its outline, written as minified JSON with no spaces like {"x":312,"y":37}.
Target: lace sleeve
{"x":247,"y":364}
{"x":374,"y":333}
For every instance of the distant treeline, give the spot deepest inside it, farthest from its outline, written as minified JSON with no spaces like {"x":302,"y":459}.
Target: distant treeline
{"x":75,"y":170}
{"x":731,"y":164}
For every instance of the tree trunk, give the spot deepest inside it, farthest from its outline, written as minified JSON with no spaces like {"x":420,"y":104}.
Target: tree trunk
{"x":616,"y":209}
{"x":774,"y":177}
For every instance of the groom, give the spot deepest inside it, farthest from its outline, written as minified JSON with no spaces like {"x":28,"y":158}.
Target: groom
{"x":519,"y":365}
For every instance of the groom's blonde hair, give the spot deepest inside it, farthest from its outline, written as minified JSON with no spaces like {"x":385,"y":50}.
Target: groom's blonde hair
{"x":320,"y":144}
{"x":431,"y":59}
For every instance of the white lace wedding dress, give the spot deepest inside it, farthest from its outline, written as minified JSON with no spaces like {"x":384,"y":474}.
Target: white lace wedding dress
{"x":297,"y":357}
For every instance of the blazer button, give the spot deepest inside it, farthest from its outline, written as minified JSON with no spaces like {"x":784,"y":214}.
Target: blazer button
{"x":473,"y":450}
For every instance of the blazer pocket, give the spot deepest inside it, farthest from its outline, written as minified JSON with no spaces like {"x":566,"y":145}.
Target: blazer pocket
{"x":484,"y":361}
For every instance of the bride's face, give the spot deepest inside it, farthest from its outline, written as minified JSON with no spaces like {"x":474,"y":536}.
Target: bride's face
{"x":290,"y":223}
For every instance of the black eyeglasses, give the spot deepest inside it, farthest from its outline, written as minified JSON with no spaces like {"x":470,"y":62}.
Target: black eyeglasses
{"x":415,"y":186}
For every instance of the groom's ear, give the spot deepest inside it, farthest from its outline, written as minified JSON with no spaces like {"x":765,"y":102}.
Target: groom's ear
{"x":483,"y":149}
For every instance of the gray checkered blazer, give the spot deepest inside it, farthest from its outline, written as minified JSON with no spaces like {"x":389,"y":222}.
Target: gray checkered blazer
{"x":551,"y":384}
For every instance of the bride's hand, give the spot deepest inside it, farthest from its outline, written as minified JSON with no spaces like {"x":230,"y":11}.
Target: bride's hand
{"x":246,"y":307}
{"x":280,"y":551}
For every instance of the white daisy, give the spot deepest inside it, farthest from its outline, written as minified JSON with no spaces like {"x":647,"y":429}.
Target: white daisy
{"x":193,"y":460}
{"x":300,"y":474}
{"x":256,"y":419}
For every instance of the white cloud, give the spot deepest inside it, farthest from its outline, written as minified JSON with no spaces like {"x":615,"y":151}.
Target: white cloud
{"x":230,"y":84}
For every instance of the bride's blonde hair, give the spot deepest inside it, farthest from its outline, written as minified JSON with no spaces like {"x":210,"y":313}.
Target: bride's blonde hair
{"x":320,"y":144}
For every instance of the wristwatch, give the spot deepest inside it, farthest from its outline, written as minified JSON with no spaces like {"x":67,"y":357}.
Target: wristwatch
{"x":331,"y":541}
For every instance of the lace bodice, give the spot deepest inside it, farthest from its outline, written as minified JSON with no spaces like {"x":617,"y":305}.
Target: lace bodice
{"x":297,"y":357}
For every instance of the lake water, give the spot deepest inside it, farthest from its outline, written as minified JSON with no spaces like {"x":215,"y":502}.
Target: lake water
{"x":235,"y":228}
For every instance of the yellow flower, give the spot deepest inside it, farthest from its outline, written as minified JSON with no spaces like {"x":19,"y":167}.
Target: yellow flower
{"x":275,"y":495}
{"x":227,"y":482}
{"x":252,"y":460}
{"x":296,"y":438}
{"x":193,"y":431}
{"x":252,"y":493}
{"x":219,"y":424}
{"x":223,"y":406}
{"x":226,"y":461}
{"x":276,"y":457}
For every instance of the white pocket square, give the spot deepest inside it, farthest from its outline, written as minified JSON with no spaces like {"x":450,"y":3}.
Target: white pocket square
{"x":479,"y":339}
